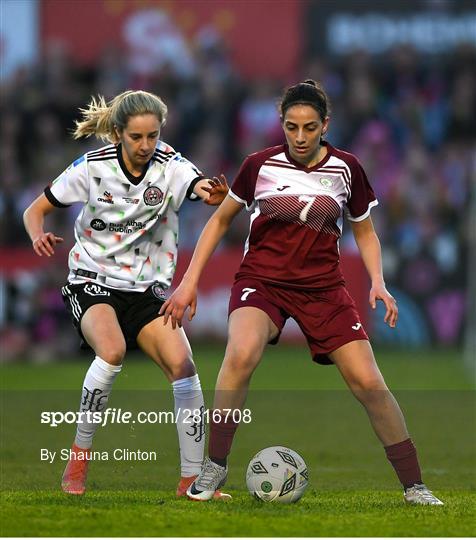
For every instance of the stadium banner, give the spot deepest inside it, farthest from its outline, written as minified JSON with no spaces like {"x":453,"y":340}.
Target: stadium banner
{"x":378,"y":27}
{"x":18,"y":36}
{"x":212,"y":314}
{"x":158,"y":33}
{"x":434,"y":314}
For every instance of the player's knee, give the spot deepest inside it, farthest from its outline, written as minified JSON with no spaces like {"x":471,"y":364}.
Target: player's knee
{"x":373,"y":383}
{"x":241,"y":358}
{"x":369,"y":389}
{"x":182,"y":370}
{"x":114,"y":354}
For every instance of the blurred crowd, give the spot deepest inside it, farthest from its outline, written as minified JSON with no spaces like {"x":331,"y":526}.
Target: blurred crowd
{"x":409,"y":118}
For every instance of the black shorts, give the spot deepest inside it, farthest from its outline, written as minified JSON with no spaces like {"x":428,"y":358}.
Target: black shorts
{"x":133,"y":309}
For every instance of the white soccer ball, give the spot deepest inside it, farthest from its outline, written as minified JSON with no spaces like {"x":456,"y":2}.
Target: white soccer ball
{"x":277,"y":473}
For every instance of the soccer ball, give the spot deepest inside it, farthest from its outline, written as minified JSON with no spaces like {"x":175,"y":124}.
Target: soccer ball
{"x":277,"y":473}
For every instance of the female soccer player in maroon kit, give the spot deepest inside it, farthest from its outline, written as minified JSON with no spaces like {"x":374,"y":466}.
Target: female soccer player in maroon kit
{"x":297,"y":194}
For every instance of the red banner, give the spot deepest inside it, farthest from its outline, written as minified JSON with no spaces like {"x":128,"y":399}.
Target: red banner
{"x":262,"y":36}
{"x":217,"y":278}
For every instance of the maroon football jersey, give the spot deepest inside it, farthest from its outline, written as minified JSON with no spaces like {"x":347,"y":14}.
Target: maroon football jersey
{"x":296,"y":215}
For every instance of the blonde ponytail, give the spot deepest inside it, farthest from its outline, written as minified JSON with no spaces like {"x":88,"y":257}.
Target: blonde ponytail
{"x":96,"y":121}
{"x":101,"y":119}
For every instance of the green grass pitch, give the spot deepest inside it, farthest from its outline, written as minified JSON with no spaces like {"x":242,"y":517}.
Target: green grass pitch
{"x":353,"y":490}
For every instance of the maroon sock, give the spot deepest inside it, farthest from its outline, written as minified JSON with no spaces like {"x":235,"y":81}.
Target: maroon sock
{"x":403,"y":457}
{"x":222,"y":431}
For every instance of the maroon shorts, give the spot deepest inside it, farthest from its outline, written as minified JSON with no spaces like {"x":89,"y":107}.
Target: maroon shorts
{"x":328,"y":319}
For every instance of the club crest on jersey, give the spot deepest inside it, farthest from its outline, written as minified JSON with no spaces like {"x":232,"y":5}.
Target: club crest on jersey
{"x":326,"y":182}
{"x":97,"y":224}
{"x":158,"y":292}
{"x":153,"y":196}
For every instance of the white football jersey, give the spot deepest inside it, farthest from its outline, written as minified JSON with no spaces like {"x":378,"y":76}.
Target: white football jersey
{"x":127,"y":232}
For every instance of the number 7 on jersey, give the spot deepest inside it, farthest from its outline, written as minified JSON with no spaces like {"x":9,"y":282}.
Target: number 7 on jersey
{"x":246,"y":292}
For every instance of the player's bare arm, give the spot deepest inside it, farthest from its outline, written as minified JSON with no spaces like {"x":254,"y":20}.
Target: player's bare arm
{"x":212,"y":190}
{"x":369,"y":247}
{"x":185,"y":296}
{"x":33,"y":218}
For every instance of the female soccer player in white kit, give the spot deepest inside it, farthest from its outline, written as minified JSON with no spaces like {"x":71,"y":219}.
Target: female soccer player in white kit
{"x":124,"y":257}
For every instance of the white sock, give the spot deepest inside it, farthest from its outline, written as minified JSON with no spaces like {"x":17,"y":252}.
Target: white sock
{"x":189,"y":398}
{"x":96,"y":389}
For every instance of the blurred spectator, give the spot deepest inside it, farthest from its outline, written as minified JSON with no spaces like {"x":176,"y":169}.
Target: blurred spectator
{"x":258,"y":120}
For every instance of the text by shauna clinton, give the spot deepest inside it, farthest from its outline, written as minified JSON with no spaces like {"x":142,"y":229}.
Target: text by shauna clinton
{"x":118,"y":454}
